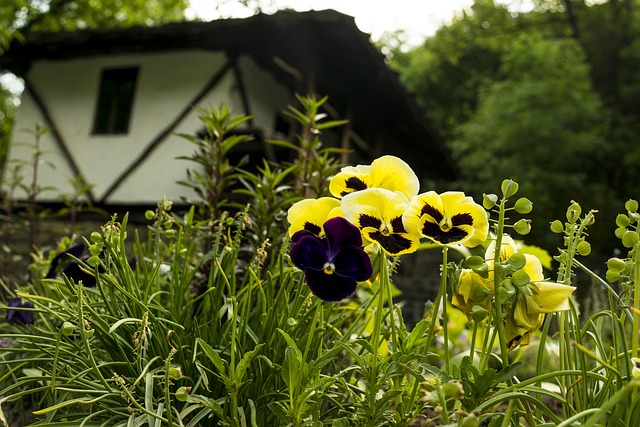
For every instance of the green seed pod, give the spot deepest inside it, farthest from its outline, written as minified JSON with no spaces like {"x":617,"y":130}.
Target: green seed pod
{"x":583,"y":248}
{"x":620,"y":231}
{"x":182,"y":394}
{"x":523,"y":205}
{"x":622,"y":221}
{"x":522,"y":227}
{"x":453,"y":389}
{"x":470,"y":421}
{"x":517,"y":261}
{"x":557,"y":227}
{"x":474,"y":262}
{"x":95,"y":237}
{"x":616,"y":265}
{"x":489,"y":200}
{"x":175,"y":372}
{"x":631,"y":205}
{"x":509,"y":188}
{"x":520,"y":278}
{"x":67,"y":328}
{"x":573,"y":212}
{"x":149,"y":215}
{"x":93,"y":261}
{"x":630,"y":239}
{"x":612,"y":276}
{"x":479,"y":313}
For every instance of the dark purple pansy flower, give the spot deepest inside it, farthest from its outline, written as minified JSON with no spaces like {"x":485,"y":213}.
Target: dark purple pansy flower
{"x":332,"y":265}
{"x":19,"y":317}
{"x":66,"y":263}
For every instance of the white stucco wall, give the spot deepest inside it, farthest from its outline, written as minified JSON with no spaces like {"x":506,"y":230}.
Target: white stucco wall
{"x":167,"y":82}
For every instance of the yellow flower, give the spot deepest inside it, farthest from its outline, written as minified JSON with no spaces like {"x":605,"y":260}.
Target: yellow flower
{"x":529,"y":310}
{"x":472,"y":289}
{"x":311,"y":214}
{"x":388,"y":172}
{"x":448,"y":218}
{"x":377,"y":212}
{"x":635,"y":369}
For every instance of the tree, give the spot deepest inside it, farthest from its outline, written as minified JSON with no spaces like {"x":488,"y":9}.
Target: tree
{"x":541,"y":125}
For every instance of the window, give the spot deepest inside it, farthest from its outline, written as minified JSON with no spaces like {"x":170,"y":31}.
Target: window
{"x":115,"y":100}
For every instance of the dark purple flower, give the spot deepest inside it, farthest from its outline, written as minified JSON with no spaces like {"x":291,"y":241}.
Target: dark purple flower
{"x":16,"y":315}
{"x":332,"y":265}
{"x":67,"y":263}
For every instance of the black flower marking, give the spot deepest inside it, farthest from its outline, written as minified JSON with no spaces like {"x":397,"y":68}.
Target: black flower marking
{"x":355,"y":184}
{"x":461,"y":219}
{"x":433,"y":231}
{"x":433,"y":212}
{"x":314,"y":228}
{"x":397,"y":225}
{"x":369,"y":221}
{"x":393,"y":243}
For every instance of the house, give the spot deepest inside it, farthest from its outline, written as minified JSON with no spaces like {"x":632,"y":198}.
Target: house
{"x":116,"y":99}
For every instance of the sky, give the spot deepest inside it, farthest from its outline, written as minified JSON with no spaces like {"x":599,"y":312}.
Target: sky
{"x":418,"y":18}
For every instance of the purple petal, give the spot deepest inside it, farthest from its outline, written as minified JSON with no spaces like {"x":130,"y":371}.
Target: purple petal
{"x":309,"y":251}
{"x":19,"y":317}
{"x":75,"y":272}
{"x":353,"y":262}
{"x":74,"y":251}
{"x":300,"y":234}
{"x":329,"y":287}
{"x":340,"y":233}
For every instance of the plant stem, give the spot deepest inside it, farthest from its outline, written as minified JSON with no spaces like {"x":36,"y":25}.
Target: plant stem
{"x":497,"y":276}
{"x":443,"y":288}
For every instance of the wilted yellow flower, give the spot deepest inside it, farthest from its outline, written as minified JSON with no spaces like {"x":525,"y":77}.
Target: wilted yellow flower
{"x":528,"y":311}
{"x":388,"y":172}
{"x":472,"y":289}
{"x":448,"y":218}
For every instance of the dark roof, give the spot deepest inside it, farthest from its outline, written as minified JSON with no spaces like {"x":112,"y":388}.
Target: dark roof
{"x":322,"y":51}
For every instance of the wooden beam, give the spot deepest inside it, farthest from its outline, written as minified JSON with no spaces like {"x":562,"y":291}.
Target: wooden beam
{"x":155,"y":142}
{"x":57,"y":137}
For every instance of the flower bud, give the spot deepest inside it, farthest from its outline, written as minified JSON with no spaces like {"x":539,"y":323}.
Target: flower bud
{"x":470,"y":421}
{"x":489,"y":200}
{"x":583,"y":248}
{"x":631,"y":205}
{"x":523,"y":205}
{"x":630,"y":239}
{"x":522,"y":227}
{"x":557,"y":227}
{"x":509,"y":188}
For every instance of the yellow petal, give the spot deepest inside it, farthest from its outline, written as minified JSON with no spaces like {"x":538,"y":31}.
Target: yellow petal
{"x":551,"y":296}
{"x":533,"y":268}
{"x":394,"y":174}
{"x":350,"y":179}
{"x":508,"y":247}
{"x":311,"y":214}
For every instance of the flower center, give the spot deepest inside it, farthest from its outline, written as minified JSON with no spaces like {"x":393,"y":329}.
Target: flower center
{"x":385,"y":230}
{"x":328,"y":268}
{"x":446,"y":226}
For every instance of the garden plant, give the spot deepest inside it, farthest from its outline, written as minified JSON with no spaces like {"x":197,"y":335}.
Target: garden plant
{"x":270,"y":302}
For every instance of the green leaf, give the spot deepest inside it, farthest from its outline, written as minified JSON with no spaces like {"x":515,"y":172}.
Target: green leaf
{"x":291,"y":368}
{"x":212,"y":355}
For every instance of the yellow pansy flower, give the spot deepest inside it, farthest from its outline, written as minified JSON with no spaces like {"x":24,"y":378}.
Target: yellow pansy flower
{"x":377,"y":212}
{"x":472,"y":289}
{"x":448,"y":218}
{"x":388,"y":172}
{"x":311,"y":214}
